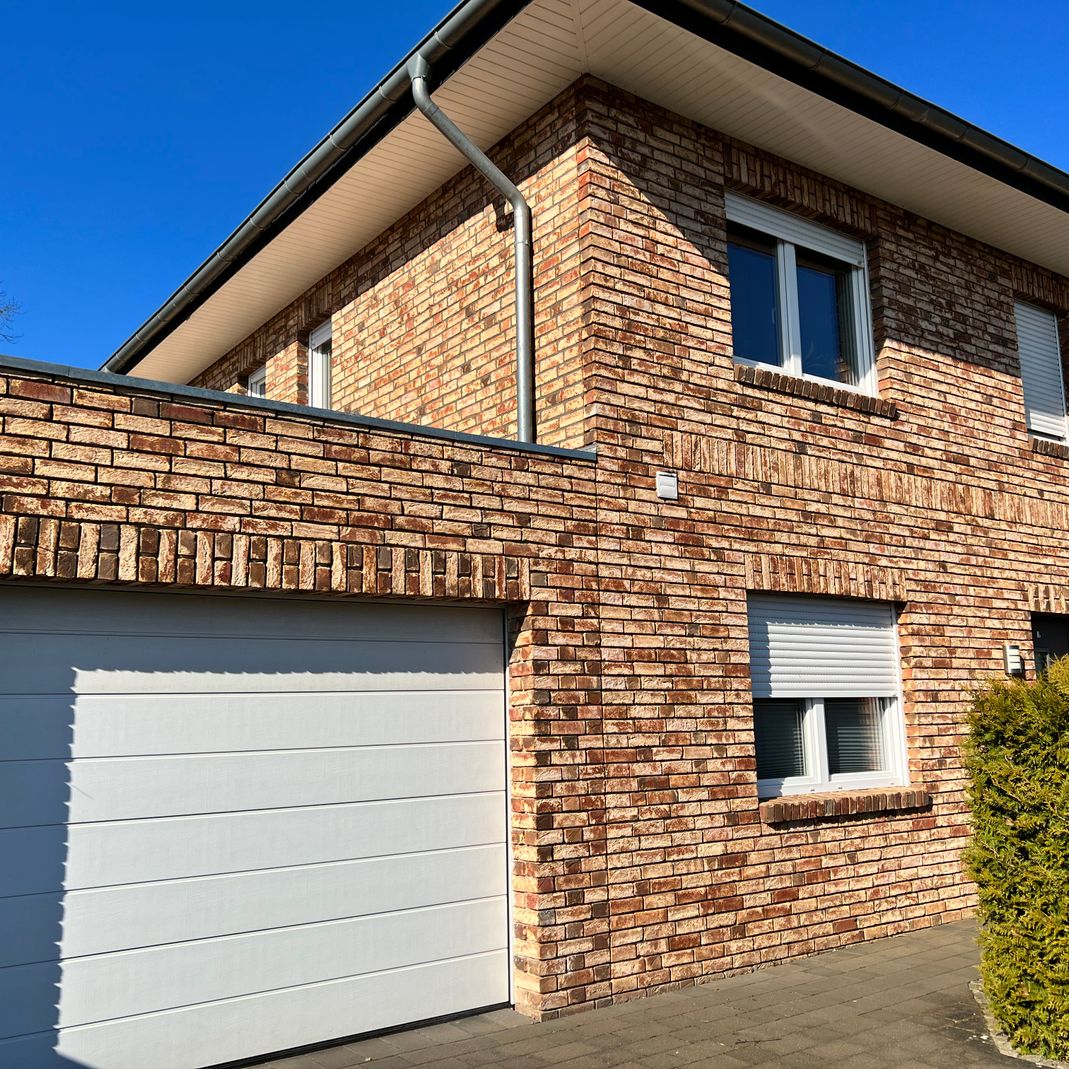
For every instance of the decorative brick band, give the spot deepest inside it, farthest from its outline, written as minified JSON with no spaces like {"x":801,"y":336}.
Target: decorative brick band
{"x":1048,"y":448}
{"x":45,"y":548}
{"x":815,"y":391}
{"x":843,"y":804}
{"x":832,"y":576}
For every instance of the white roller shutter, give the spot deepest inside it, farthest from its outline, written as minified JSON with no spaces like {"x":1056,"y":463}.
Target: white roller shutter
{"x":1041,"y":371}
{"x":808,"y":647}
{"x":232,"y":826}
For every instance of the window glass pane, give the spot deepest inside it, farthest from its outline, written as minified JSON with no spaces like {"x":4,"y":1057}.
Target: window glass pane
{"x":823,"y":314}
{"x":258,"y":383}
{"x":778,"y":735}
{"x":855,"y":743}
{"x":754,"y":312}
{"x":319,"y":375}
{"x":1050,"y":636}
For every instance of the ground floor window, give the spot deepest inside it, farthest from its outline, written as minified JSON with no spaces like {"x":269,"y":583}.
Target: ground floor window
{"x":827,"y":713}
{"x":1050,"y":638}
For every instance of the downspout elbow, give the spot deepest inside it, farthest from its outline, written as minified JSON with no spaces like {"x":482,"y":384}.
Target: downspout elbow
{"x":419,"y":72}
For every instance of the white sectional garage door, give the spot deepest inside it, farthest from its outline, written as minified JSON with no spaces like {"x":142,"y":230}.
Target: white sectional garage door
{"x":231,"y":826}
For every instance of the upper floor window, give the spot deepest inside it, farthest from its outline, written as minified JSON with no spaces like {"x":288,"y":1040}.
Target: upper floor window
{"x":799,"y":296}
{"x":1041,"y":371}
{"x":827,"y":714}
{"x":319,"y":366}
{"x":257,"y":384}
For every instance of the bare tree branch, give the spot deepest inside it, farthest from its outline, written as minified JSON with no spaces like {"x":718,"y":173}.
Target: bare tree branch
{"x":8,"y":310}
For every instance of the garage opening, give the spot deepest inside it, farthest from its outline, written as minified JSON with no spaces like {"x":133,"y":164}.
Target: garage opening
{"x":231,"y":826}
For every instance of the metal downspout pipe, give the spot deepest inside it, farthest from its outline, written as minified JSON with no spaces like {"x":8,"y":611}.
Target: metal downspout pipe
{"x":418,"y":72}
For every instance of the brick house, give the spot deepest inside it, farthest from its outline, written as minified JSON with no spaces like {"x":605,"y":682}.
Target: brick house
{"x":330,"y":706}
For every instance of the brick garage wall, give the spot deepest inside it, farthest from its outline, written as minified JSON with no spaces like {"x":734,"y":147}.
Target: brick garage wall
{"x":423,"y":318}
{"x":103,"y":483}
{"x":932,"y":498}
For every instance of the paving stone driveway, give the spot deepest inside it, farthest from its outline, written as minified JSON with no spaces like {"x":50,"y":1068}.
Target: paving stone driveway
{"x":901,"y":1003}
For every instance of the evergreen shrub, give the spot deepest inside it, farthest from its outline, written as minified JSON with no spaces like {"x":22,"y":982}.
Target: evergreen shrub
{"x":1017,"y":757}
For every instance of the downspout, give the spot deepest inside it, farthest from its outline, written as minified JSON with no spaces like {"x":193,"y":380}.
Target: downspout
{"x":418,"y":72}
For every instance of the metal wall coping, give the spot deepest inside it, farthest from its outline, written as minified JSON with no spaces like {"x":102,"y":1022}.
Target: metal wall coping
{"x":127,"y":384}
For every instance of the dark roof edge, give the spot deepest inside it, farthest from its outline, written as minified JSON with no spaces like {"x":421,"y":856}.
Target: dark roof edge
{"x":757,"y":38}
{"x":447,"y":48}
{"x":130,"y":384}
{"x":726,"y":23}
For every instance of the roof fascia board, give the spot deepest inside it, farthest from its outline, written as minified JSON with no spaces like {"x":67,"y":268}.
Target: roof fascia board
{"x":756,"y":38}
{"x":448,"y":47}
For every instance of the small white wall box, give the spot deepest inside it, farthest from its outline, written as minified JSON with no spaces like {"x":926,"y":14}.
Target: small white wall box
{"x":1014,"y":660}
{"x":668,"y":486}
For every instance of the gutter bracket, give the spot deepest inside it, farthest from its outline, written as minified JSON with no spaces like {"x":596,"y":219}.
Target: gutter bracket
{"x":419,"y":72}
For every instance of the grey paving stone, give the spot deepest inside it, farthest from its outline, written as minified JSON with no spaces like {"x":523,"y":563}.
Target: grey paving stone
{"x":900,"y":1003}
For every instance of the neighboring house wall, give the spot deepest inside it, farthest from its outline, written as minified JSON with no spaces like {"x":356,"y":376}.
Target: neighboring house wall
{"x":643,"y":857}
{"x":423,"y":318}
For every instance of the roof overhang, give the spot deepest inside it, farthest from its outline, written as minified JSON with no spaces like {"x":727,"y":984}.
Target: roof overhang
{"x":714,"y":61}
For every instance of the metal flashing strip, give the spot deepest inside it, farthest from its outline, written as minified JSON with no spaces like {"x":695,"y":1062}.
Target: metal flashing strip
{"x":128,"y":384}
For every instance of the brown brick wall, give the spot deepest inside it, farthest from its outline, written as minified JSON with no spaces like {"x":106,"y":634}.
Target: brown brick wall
{"x":931,"y":498}
{"x":642,"y":856}
{"x":423,"y":319}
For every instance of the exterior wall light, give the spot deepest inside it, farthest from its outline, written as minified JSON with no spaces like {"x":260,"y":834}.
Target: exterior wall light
{"x":1014,"y":660}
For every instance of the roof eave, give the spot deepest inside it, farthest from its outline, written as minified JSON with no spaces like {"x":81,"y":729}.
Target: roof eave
{"x":725,"y":23}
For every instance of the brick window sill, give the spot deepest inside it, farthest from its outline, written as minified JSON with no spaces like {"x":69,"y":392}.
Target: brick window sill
{"x":1047,"y":448}
{"x":798,"y":807}
{"x":814,"y":391}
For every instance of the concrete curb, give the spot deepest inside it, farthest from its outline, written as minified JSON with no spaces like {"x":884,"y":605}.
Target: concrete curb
{"x":1001,"y":1040}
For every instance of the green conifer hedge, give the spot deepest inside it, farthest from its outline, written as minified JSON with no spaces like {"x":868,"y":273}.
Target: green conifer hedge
{"x":1017,"y":756}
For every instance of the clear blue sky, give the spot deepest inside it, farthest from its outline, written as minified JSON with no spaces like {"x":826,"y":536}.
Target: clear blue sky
{"x":137,"y":136}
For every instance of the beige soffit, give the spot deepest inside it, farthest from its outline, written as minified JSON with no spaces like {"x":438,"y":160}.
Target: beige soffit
{"x":538,"y":54}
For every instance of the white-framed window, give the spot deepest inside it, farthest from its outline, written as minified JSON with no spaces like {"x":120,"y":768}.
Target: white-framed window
{"x":257,"y":384}
{"x":1042,"y":375}
{"x":319,"y":366}
{"x":799,"y":297}
{"x":826,"y":694}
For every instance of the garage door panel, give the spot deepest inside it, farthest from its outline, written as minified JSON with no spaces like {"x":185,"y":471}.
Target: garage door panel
{"x":39,"y":727}
{"x":295,"y":619}
{"x":214,"y":1032}
{"x":98,"y":664}
{"x":128,"y":788}
{"x":101,"y":855}
{"x":159,"y":978}
{"x":229,"y":826}
{"x":142,"y":915}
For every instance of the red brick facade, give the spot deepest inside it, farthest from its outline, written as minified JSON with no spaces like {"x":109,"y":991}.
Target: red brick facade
{"x":642,"y":855}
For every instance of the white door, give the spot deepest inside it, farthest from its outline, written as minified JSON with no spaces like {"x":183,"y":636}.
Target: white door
{"x":231,"y":826}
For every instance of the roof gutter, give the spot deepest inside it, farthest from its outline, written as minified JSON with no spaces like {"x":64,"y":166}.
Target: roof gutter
{"x":462,"y":33}
{"x":725,"y":23}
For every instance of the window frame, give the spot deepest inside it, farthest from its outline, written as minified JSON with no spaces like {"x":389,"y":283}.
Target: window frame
{"x":815,"y":754}
{"x":790,"y":232}
{"x":256,"y":382}
{"x":320,"y":366}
